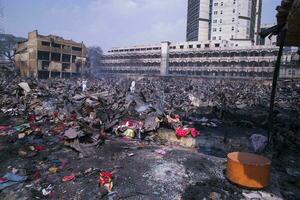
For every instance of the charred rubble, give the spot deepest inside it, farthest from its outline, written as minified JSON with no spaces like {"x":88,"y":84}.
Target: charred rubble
{"x":56,"y":115}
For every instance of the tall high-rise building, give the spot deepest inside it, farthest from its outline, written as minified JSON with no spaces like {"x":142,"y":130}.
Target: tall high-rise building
{"x":198,"y":20}
{"x":236,"y":21}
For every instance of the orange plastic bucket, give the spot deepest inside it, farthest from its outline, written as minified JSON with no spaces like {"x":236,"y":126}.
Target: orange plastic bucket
{"x":248,"y":170}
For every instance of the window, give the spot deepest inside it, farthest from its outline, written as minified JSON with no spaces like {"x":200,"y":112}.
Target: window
{"x":46,"y":43}
{"x":191,"y":46}
{"x":232,"y":28}
{"x":181,"y":46}
{"x":198,"y":46}
{"x":222,"y":3}
{"x":215,"y":4}
{"x":66,"y":47}
{"x":233,"y":1}
{"x":292,"y":72}
{"x":233,"y":10}
{"x":55,"y":45}
{"x":65,"y":66}
{"x":217,"y":45}
{"x":221,"y":21}
{"x":231,"y":36}
{"x":206,"y":45}
{"x":215,"y":21}
{"x":221,"y":12}
{"x":45,"y":65}
{"x":73,"y":59}
{"x":76,"y":48}
{"x":55,"y":57}
{"x":233,"y":19}
{"x":214,"y":29}
{"x":66,"y":58}
{"x":215,"y":12}
{"x":214,"y":38}
{"x":220,"y":29}
{"x":43,"y":55}
{"x":220,"y":38}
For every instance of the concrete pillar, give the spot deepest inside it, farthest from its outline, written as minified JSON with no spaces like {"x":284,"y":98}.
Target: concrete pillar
{"x":164,"y":64}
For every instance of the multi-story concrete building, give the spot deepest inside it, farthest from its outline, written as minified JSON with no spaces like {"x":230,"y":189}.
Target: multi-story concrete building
{"x":50,"y":56}
{"x":205,"y":59}
{"x":222,"y":39}
{"x":234,"y":21}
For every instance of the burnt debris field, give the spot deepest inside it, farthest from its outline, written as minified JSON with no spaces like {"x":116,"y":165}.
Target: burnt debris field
{"x":143,"y":138}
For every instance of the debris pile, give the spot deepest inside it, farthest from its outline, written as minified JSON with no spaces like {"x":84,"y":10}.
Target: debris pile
{"x":44,"y":122}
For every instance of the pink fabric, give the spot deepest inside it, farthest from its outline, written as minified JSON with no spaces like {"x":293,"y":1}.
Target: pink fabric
{"x":3,"y":127}
{"x":132,"y":124}
{"x":194,"y":132}
{"x":184,"y":132}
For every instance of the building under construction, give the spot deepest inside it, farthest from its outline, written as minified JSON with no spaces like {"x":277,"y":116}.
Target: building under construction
{"x":50,"y":56}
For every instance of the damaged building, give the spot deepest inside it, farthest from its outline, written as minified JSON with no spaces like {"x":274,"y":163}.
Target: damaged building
{"x":50,"y":56}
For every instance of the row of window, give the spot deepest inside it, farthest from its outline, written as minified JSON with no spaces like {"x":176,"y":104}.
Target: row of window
{"x":221,"y":12}
{"x":199,"y":73}
{"x":56,"y":45}
{"x":220,"y":29}
{"x":57,"y":57}
{"x":199,"y":55}
{"x":139,"y":49}
{"x":46,"y":64}
{"x":222,"y":3}
{"x":221,"y":21}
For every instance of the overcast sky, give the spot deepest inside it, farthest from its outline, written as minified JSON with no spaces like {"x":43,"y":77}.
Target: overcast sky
{"x":106,"y":23}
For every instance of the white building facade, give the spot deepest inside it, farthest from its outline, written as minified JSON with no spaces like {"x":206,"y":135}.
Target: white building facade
{"x":203,"y":59}
{"x":234,"y":21}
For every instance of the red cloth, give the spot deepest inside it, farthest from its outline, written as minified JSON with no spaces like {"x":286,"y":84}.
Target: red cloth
{"x":184,"y":132}
{"x":3,"y":127}
{"x":3,"y":180}
{"x":37,"y":175}
{"x":105,"y":177}
{"x":194,"y":132}
{"x":68,"y":178}
{"x":32,"y":119}
{"x":39,"y":148}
